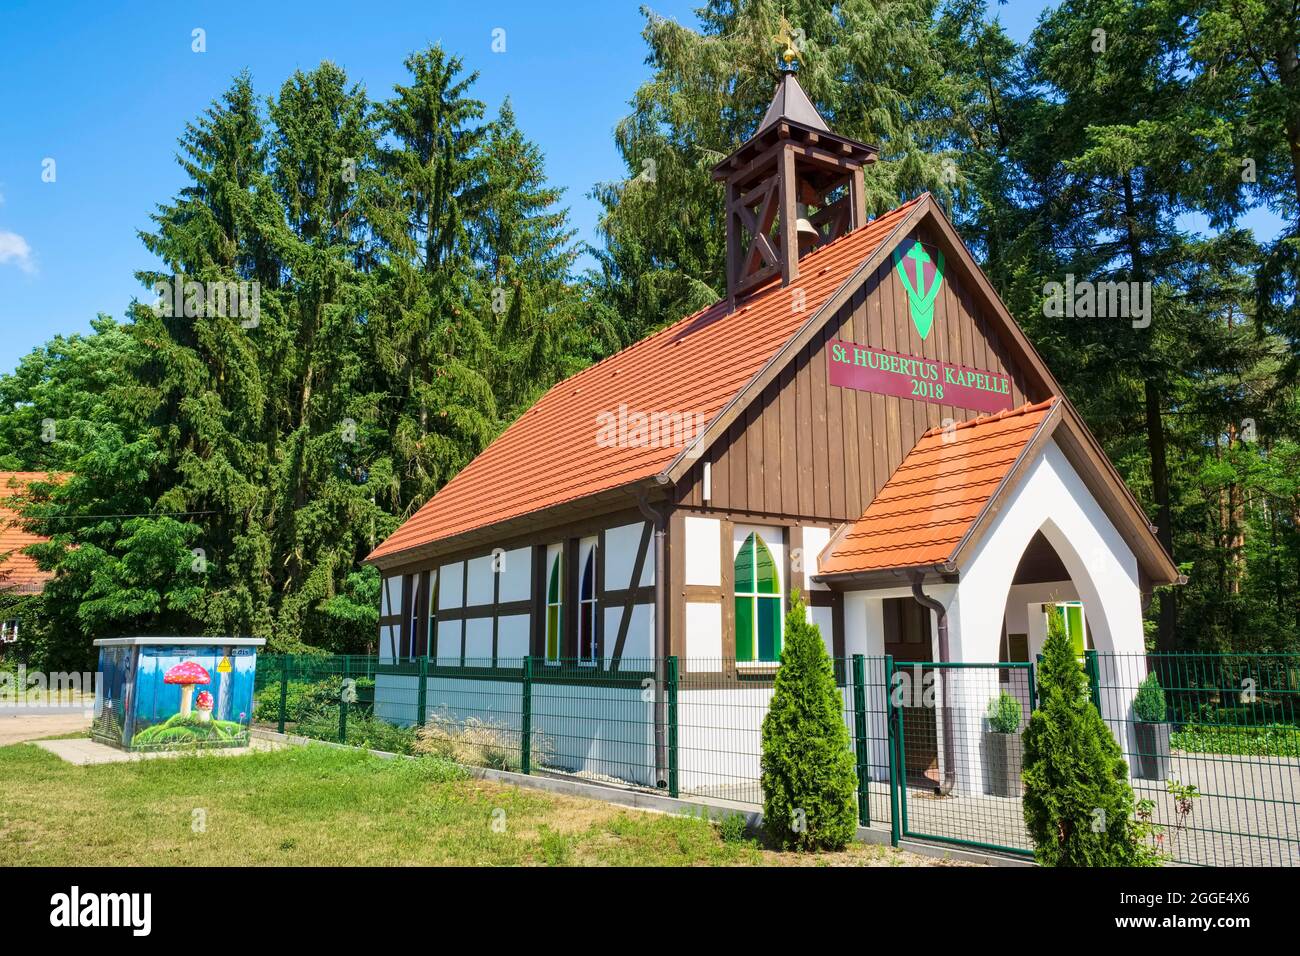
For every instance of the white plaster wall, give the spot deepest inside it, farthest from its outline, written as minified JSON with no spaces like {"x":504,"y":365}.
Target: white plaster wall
{"x":621,"y":545}
{"x":703,"y":636}
{"x":822,"y":617}
{"x":640,"y":633}
{"x":449,"y":642}
{"x":703,"y":551}
{"x":478,"y":642}
{"x":512,"y":639}
{"x":814,"y":540}
{"x":390,"y":602}
{"x":516,"y":575}
{"x":388,"y":635}
{"x":481,"y":579}
{"x":450,"y":590}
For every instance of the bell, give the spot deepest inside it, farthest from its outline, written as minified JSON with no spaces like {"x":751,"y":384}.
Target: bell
{"x":807,"y":234}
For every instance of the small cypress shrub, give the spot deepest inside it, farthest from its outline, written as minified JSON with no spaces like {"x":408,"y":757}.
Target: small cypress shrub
{"x":1004,"y":714}
{"x":1078,"y":802}
{"x":1149,"y":704}
{"x":809,"y":781}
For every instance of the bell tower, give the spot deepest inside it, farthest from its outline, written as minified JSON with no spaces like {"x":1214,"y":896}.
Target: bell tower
{"x":791,"y":187}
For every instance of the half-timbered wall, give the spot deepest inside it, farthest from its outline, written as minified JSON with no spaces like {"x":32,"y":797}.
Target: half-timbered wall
{"x":489,"y":608}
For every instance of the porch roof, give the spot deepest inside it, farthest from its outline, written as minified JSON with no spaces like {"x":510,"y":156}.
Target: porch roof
{"x":949,"y":487}
{"x":934,"y":498}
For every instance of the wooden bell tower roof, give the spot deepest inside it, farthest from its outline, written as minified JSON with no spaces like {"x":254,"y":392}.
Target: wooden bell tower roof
{"x":791,"y":187}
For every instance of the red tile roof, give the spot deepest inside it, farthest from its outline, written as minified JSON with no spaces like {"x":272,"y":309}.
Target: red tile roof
{"x":938,"y":492}
{"x":551,"y":454}
{"x":18,"y":571}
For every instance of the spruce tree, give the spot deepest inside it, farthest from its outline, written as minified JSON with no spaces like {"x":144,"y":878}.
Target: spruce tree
{"x":1078,"y":803}
{"x":808,"y":776}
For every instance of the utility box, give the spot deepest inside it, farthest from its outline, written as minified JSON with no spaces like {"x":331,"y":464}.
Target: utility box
{"x":175,"y":693}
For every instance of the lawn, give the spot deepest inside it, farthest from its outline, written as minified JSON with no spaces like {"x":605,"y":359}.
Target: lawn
{"x":322,"y":806}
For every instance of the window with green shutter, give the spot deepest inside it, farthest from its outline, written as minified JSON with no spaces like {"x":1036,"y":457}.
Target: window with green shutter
{"x":758,"y":602}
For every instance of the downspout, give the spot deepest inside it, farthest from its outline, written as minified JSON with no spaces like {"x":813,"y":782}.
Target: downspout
{"x":949,"y":776}
{"x":661,"y":642}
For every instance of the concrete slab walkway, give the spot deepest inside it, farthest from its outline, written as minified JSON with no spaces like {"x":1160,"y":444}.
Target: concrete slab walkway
{"x":82,"y":751}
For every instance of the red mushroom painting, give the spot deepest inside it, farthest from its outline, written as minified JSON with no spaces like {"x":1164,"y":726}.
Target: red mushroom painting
{"x":203,"y":704}
{"x":187,"y":674}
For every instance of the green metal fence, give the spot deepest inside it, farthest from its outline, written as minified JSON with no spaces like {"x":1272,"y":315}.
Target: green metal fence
{"x":653,"y":724}
{"x":1218,"y":771}
{"x":1219,"y":777}
{"x":958,"y":775}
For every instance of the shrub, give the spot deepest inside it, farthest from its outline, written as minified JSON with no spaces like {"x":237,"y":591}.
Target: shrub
{"x":1149,"y":704}
{"x":1004,"y":714}
{"x":477,"y":743}
{"x":322,"y":723}
{"x":1078,"y":803}
{"x":807,"y":766}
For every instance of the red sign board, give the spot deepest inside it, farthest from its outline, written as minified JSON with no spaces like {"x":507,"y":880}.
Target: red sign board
{"x":925,"y":380}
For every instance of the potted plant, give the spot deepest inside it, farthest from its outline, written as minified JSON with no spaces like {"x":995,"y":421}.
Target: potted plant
{"x":1002,"y":745}
{"x":1151,"y":762}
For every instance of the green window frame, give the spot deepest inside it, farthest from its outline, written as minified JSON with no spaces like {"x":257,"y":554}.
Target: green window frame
{"x":758,"y":603}
{"x":1072,"y":617}
{"x":554,"y":603}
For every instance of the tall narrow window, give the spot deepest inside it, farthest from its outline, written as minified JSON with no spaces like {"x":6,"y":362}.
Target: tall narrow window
{"x":758,"y":602}
{"x":554,"y":601}
{"x":588,"y":652}
{"x":1071,"y":613}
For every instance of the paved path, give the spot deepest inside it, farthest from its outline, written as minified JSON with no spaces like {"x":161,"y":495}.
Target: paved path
{"x":18,"y":727}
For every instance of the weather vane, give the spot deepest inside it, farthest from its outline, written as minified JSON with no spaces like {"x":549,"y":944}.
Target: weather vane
{"x":790,"y":56}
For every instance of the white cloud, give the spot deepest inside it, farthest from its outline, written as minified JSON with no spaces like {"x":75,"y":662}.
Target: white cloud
{"x":15,"y":250}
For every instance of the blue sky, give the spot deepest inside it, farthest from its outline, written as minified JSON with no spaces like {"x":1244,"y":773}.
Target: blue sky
{"x":106,"y":92}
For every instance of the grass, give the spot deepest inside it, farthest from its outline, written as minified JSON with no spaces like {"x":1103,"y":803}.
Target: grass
{"x":322,"y":806}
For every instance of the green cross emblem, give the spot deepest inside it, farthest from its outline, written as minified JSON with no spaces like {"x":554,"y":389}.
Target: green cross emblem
{"x":920,"y":300}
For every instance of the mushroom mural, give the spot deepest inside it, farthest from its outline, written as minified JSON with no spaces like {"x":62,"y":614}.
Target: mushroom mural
{"x":203,"y":704}
{"x":187,"y":674}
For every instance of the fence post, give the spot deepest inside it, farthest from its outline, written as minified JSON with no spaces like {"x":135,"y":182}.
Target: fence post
{"x":526,"y":719}
{"x":285,"y":661}
{"x":673,"y":789}
{"x":860,"y":737}
{"x":422,"y":690}
{"x":1094,"y":677}
{"x":891,"y":745}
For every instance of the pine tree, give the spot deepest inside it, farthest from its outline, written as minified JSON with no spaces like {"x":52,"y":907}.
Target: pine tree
{"x":1078,"y":804}
{"x":808,"y":774}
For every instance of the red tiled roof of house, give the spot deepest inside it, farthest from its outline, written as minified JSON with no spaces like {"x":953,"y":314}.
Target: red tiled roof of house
{"x":551,"y":454}
{"x":936,"y":494}
{"x":18,"y":571}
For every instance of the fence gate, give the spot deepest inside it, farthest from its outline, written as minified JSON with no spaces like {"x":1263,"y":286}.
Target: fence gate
{"x":954,"y":769}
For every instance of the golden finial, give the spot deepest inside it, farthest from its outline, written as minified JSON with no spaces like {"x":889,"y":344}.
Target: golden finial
{"x":790,"y":55}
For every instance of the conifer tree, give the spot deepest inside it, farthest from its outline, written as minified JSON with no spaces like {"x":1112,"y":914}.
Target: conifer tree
{"x":808,"y":774}
{"x":1078,"y":803}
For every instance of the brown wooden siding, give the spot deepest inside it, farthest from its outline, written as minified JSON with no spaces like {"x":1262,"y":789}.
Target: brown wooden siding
{"x":811,"y":450}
